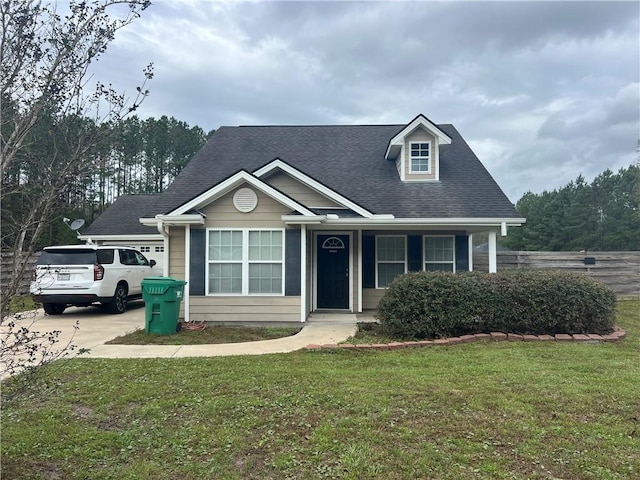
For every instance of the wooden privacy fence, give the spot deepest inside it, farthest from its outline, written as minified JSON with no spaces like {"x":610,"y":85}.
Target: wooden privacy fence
{"x":6,"y":272}
{"x":619,"y":270}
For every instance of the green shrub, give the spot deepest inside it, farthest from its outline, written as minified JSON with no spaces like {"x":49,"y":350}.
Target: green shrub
{"x":438,"y":304}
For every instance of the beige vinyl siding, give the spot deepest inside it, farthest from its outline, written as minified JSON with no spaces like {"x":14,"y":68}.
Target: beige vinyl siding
{"x":371,"y":297}
{"x":419,"y":135}
{"x":300,"y":192}
{"x":176,"y":253}
{"x":243,"y":309}
{"x":222,"y":214}
{"x":177,"y":258}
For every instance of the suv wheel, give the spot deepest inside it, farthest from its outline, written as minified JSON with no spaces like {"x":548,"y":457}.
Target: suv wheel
{"x":53,"y":308}
{"x":118,"y":303}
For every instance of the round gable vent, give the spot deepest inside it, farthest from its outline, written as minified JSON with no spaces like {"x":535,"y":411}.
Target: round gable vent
{"x":245,"y":200}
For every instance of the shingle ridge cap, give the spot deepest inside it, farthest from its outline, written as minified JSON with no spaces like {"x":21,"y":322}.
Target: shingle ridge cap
{"x":322,"y":125}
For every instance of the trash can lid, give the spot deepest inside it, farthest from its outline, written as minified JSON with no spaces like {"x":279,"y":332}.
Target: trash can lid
{"x":166,"y":280}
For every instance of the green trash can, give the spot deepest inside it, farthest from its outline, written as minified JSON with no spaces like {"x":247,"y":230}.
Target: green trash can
{"x":162,"y":297}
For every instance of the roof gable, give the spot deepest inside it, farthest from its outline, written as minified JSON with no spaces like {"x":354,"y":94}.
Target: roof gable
{"x":279,"y":165}
{"x":233,"y":182}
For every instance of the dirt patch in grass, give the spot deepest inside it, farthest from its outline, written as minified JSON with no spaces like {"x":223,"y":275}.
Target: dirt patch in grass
{"x":370,"y":332}
{"x":210,"y":335}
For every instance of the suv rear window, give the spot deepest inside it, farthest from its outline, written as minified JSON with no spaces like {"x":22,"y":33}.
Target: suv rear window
{"x":68,"y":257}
{"x":76,"y":257}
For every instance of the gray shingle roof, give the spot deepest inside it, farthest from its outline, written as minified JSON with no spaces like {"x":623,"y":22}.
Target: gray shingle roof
{"x":348,"y":159}
{"x":121,"y":218}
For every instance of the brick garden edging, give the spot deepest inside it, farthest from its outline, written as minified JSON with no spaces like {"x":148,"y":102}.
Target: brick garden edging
{"x":616,"y":335}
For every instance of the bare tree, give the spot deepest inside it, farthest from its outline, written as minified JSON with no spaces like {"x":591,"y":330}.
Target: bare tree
{"x":51,"y":129}
{"x":45,"y":55}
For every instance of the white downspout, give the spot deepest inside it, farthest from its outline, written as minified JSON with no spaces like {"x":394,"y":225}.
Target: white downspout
{"x":165,"y":248}
{"x":303,"y":273}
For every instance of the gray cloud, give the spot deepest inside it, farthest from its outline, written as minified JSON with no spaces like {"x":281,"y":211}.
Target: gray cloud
{"x":543,"y":91}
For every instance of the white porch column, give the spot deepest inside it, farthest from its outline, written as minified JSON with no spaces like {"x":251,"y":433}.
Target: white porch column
{"x":187,"y":265}
{"x":471,"y":252}
{"x":493,"y":259}
{"x":359,"y":271}
{"x":303,"y":273}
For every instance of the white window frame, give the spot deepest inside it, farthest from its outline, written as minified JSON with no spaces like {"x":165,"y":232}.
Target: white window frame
{"x":421,"y":157}
{"x":424,"y":252}
{"x":378,"y":262}
{"x":245,"y":262}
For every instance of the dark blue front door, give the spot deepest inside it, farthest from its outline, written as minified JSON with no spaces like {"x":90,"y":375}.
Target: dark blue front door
{"x":333,"y":271}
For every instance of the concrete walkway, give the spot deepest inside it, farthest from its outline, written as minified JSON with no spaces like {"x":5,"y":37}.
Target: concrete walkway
{"x":314,"y":332}
{"x":96,"y":327}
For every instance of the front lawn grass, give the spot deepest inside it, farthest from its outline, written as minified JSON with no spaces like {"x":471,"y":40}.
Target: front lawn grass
{"x":211,"y":334}
{"x":501,"y":410}
{"x":23,"y":303}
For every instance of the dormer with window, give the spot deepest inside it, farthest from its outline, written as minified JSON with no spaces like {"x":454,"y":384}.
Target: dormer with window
{"x":416,"y":150}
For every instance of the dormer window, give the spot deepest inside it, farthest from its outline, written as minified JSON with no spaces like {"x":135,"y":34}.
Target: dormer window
{"x":416,"y":150}
{"x":420,"y":157}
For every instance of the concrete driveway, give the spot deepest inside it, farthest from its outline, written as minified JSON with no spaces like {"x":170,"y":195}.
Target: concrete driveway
{"x":96,"y":327}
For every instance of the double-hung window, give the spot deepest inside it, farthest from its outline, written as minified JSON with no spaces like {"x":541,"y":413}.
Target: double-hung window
{"x":420,"y":157}
{"x":265,"y":261}
{"x":391,"y":258}
{"x":246,"y":262}
{"x":439,"y":254}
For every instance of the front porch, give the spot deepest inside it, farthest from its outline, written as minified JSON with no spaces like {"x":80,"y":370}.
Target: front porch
{"x":321,"y":270}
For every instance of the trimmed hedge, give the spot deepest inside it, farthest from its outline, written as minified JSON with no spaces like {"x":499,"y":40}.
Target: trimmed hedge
{"x":427,"y":305}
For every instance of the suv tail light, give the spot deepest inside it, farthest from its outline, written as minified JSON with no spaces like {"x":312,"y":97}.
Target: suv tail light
{"x":98,"y":272}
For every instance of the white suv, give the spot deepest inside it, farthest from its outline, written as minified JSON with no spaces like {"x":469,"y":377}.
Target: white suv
{"x":81,"y":275}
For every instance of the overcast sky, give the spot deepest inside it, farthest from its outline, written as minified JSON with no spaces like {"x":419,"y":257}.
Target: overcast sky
{"x":542,"y":91}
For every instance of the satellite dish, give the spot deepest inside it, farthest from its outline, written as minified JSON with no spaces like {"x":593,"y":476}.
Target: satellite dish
{"x":76,"y":224}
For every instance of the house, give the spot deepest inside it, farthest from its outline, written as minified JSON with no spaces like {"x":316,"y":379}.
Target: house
{"x":271,"y":223}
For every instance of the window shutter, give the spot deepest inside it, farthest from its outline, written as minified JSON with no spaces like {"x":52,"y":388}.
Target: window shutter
{"x":292,"y":266}
{"x":414,"y":253}
{"x":368,"y":261}
{"x":462,"y":253}
{"x":197,"y":262}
